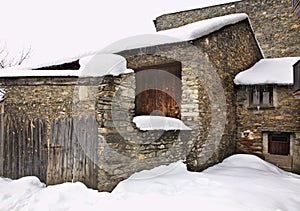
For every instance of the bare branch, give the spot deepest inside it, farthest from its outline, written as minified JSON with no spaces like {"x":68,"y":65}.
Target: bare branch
{"x":24,"y":56}
{"x":8,"y":61}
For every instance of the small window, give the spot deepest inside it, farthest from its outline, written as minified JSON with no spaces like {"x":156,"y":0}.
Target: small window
{"x":261,"y":95}
{"x":279,"y":144}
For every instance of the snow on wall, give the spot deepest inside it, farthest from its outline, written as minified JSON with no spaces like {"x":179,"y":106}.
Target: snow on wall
{"x":159,"y":123}
{"x":268,"y":71}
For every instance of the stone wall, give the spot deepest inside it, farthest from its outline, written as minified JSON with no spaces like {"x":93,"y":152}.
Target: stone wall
{"x":123,"y":148}
{"x":230,"y":50}
{"x":49,"y":97}
{"x":283,"y":116}
{"x":209,"y":65}
{"x":276,"y":27}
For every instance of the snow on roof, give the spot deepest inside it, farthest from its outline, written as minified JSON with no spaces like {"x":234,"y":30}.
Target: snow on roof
{"x":201,"y":28}
{"x":11,"y":72}
{"x":268,"y":71}
{"x":91,"y":66}
{"x":103,"y":64}
{"x":183,"y":33}
{"x":159,"y":123}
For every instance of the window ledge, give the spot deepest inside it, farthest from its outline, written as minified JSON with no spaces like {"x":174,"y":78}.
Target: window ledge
{"x":261,"y":107}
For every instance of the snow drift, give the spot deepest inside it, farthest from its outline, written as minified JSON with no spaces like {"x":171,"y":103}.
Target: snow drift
{"x":240,"y":182}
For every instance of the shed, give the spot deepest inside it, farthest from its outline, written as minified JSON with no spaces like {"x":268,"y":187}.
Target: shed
{"x":183,"y":77}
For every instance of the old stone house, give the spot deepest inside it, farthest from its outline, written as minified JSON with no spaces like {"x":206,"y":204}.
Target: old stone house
{"x":187,"y":76}
{"x":188,"y":79}
{"x":268,"y":118}
{"x":277,"y":27}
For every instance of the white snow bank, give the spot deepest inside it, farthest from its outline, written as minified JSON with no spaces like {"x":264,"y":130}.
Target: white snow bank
{"x":201,"y":28}
{"x":159,"y":123}
{"x":15,"y":193}
{"x":241,"y":182}
{"x":103,"y":64}
{"x":268,"y":71}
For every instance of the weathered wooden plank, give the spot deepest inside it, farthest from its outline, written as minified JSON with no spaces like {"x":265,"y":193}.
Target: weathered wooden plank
{"x":68,"y":150}
{"x":20,"y":147}
{"x":10,"y":148}
{"x":35,"y":146}
{"x":1,"y":142}
{"x":43,"y":153}
{"x":76,"y":152}
{"x":14,"y":152}
{"x":5,"y":145}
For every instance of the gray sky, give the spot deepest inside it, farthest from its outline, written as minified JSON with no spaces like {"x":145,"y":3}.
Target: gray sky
{"x":58,"y":28}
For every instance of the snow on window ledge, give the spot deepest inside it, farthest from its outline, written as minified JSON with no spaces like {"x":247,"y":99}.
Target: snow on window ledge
{"x":159,"y":123}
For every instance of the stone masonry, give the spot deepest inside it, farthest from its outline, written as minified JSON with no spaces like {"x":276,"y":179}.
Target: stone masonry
{"x":283,"y":116}
{"x":209,"y":65}
{"x":277,"y":29}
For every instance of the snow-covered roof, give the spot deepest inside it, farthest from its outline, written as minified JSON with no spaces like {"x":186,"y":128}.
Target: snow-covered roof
{"x":268,"y":71}
{"x":159,"y":123}
{"x":91,"y":66}
{"x":36,"y":73}
{"x":201,"y":28}
{"x":184,"y":33}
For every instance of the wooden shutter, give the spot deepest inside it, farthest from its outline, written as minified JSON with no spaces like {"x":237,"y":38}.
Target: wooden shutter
{"x":158,"y":90}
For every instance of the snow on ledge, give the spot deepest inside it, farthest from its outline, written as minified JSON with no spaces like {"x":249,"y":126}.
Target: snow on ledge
{"x":159,"y":123}
{"x":268,"y":71}
{"x":201,"y":28}
{"x":103,"y":64}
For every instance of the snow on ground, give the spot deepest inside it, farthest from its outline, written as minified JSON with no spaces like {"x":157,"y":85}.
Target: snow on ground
{"x":159,"y":123}
{"x":240,"y":182}
{"x":268,"y":71}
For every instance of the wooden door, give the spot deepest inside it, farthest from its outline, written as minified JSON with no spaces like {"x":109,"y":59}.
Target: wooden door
{"x":158,"y":90}
{"x":279,"y":144}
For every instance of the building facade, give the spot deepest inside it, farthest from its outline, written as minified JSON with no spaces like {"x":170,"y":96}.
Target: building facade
{"x":196,"y":87}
